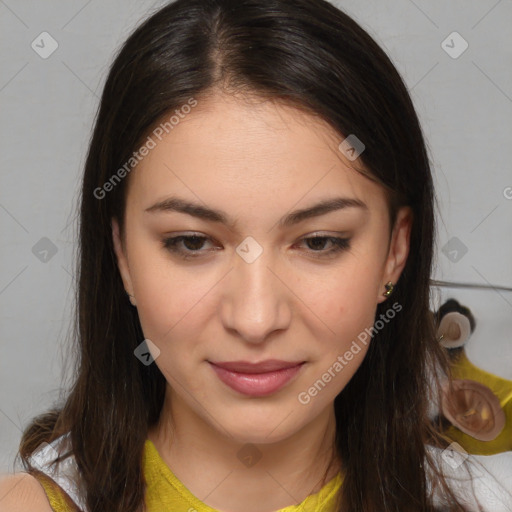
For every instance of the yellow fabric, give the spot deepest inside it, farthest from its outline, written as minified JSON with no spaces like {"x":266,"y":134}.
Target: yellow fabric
{"x":502,"y":388}
{"x":59,"y":500}
{"x":165,"y":492}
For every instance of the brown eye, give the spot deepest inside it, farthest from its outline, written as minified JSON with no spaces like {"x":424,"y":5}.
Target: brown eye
{"x":317,"y":243}
{"x":187,"y":246}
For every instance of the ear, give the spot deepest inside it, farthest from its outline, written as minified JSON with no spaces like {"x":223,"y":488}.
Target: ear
{"x":473,"y":408}
{"x":453,"y":330}
{"x":398,"y":249}
{"x":122,"y":262}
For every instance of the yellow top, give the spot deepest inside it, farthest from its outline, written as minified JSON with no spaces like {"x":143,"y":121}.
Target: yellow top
{"x":165,"y":492}
{"x":59,"y":500}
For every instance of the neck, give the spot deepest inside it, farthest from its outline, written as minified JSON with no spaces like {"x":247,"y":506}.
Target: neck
{"x":230,"y":474}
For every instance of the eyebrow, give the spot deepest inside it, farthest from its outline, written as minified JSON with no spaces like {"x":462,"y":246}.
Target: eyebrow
{"x":176,"y":204}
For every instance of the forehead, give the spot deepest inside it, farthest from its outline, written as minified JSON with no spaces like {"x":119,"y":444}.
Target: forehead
{"x":229,"y":148}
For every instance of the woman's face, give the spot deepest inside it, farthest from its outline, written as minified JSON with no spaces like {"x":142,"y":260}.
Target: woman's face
{"x":256,"y":287}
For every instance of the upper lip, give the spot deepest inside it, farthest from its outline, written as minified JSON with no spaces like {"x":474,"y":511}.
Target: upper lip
{"x":270,"y":365}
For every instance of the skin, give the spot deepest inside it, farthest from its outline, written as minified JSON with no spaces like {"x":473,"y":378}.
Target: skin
{"x":256,"y":161}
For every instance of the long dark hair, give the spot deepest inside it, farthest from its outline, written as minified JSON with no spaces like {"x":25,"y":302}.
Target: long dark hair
{"x":310,"y":55}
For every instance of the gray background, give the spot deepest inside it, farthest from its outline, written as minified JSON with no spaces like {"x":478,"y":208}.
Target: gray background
{"x":47,"y":108}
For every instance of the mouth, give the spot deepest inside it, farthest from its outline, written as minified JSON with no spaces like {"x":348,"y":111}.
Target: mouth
{"x":256,"y":379}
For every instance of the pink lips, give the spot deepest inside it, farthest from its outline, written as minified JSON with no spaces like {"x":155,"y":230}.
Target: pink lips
{"x":256,"y":379}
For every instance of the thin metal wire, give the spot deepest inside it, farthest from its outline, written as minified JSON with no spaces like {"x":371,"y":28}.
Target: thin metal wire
{"x":469,"y":285}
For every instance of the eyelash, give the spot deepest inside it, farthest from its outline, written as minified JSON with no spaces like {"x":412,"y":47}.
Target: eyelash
{"x":170,"y":244}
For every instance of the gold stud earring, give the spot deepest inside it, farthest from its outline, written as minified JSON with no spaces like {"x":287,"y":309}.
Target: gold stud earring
{"x":389,"y":289}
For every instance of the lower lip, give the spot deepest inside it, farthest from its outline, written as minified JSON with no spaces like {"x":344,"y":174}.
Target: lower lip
{"x":257,"y":384}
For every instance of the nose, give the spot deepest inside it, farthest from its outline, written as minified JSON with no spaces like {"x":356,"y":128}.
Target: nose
{"x":255,"y":302}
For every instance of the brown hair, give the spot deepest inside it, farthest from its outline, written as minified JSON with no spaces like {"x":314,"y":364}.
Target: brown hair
{"x":310,"y":55}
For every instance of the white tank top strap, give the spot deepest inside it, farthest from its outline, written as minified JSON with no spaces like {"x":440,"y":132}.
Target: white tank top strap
{"x":65,"y":473}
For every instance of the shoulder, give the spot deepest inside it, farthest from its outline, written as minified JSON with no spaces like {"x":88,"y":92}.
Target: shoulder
{"x":21,"y":492}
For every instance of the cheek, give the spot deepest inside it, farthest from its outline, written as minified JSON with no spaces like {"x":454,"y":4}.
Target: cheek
{"x":167,"y":296}
{"x":346,"y":305}
{"x":165,"y":312}
{"x":346,"y":299}
{"x":169,"y":316}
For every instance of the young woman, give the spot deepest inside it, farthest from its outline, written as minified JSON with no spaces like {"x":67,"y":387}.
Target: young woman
{"x":256,"y":243}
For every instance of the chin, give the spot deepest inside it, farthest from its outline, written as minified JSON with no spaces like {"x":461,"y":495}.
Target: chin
{"x":259,"y":437}
{"x":261,"y":429}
